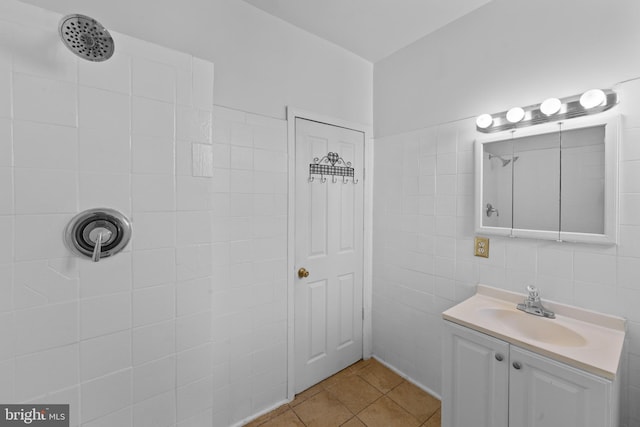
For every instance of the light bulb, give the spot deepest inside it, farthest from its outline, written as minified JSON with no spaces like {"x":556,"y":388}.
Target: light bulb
{"x":593,"y":98}
{"x":515,"y":114}
{"x":484,"y":121}
{"x":550,"y":106}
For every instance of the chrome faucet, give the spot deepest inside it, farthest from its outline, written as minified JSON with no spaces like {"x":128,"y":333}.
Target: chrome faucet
{"x":533,"y":305}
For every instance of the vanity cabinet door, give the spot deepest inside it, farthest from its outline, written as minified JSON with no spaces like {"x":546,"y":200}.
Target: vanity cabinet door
{"x":546,"y":393}
{"x":475,"y":379}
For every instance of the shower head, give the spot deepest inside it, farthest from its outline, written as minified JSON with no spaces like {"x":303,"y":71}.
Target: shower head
{"x":86,"y":37}
{"x":505,"y":162}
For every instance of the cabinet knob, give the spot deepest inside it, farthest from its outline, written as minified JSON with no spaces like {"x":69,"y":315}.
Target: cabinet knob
{"x":517,"y":365}
{"x":499,"y":357}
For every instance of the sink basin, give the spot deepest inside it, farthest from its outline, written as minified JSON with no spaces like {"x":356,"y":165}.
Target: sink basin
{"x":580,"y":338}
{"x":534,"y":327}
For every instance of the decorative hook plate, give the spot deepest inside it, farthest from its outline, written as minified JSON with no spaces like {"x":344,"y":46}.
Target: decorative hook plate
{"x":333,"y":165}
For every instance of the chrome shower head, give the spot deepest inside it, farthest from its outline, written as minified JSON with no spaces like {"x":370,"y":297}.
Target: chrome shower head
{"x":505,"y":162}
{"x":86,"y":37}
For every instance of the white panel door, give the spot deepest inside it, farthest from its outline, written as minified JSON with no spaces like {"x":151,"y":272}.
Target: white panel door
{"x":329,"y":245}
{"x":545,"y":393}
{"x":475,"y":379}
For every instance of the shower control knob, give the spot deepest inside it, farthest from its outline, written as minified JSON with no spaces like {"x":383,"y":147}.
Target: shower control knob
{"x":99,"y":236}
{"x":98,"y":233}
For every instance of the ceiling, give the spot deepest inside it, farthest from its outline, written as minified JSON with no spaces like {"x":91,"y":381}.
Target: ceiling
{"x":372,"y":29}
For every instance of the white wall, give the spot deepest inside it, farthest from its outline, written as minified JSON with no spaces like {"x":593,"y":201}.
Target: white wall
{"x":249,"y":264}
{"x":262,"y":63}
{"x":426,"y":98}
{"x":423,"y":249}
{"x":504,"y":54}
{"x":126,"y":341}
{"x":187,"y":326}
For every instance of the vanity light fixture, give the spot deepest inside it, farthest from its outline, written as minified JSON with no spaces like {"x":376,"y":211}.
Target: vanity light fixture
{"x":550,"y":106}
{"x":593,"y":98}
{"x":484,"y":121}
{"x":553,"y":109}
{"x":515,"y":114}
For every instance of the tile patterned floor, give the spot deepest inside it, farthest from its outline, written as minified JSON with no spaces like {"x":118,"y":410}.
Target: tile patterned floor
{"x":365,"y":394}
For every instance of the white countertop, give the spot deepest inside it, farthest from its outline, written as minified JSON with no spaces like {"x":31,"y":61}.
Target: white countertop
{"x":581,"y":338}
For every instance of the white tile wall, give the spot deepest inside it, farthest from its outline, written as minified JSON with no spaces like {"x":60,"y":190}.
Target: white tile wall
{"x":56,"y":100}
{"x":112,"y":338}
{"x":92,"y":362}
{"x":54,"y":369}
{"x":103,"y":110}
{"x":423,"y":256}
{"x":158,"y":411}
{"x":249,"y":252}
{"x":154,"y":378}
{"x":44,"y":146}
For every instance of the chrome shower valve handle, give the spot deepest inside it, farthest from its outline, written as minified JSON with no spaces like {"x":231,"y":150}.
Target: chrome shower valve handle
{"x":98,"y":233}
{"x":99,"y":236}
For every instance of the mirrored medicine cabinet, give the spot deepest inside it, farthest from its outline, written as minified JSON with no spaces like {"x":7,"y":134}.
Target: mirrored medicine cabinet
{"x":557,"y":181}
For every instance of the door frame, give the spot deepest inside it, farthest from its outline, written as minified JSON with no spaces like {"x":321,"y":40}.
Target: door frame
{"x":367,"y":274}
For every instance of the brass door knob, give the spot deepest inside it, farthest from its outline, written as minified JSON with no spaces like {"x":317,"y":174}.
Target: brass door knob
{"x":302,"y":273}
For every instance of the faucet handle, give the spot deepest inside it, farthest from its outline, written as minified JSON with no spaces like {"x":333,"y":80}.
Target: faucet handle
{"x":533,"y":292}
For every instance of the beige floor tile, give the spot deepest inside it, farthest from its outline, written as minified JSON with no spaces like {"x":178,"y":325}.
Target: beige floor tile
{"x":346,"y":372}
{"x":360,"y":364}
{"x":286,"y":419}
{"x":266,"y":417}
{"x":310,"y":392}
{"x":322,"y":410}
{"x":354,"y":393}
{"x":434,"y":421}
{"x":333,"y":402}
{"x":380,"y":376}
{"x":415,"y":401}
{"x":355,"y":422}
{"x":384,"y":412}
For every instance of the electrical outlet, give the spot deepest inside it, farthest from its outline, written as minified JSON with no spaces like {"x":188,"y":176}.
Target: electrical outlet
{"x":481,"y":246}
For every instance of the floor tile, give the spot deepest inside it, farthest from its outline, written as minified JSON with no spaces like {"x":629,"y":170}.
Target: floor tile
{"x":337,"y":377}
{"x":322,"y":410}
{"x":414,"y":400}
{"x":355,"y":422}
{"x":360,"y":365}
{"x":434,"y":421}
{"x":367,"y":388}
{"x":266,"y":417}
{"x":303,"y":396}
{"x":384,"y":412}
{"x":354,"y":393}
{"x":380,"y":376}
{"x":286,"y":419}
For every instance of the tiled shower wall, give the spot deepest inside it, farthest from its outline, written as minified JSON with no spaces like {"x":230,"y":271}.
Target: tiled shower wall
{"x":126,"y":341}
{"x":423,"y":249}
{"x":249,"y":264}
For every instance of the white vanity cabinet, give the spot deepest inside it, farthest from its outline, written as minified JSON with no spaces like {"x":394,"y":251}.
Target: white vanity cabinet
{"x":488,"y":382}
{"x":475,"y":380}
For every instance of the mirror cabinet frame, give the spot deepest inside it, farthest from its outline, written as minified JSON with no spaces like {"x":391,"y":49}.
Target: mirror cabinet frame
{"x":611,"y":143}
